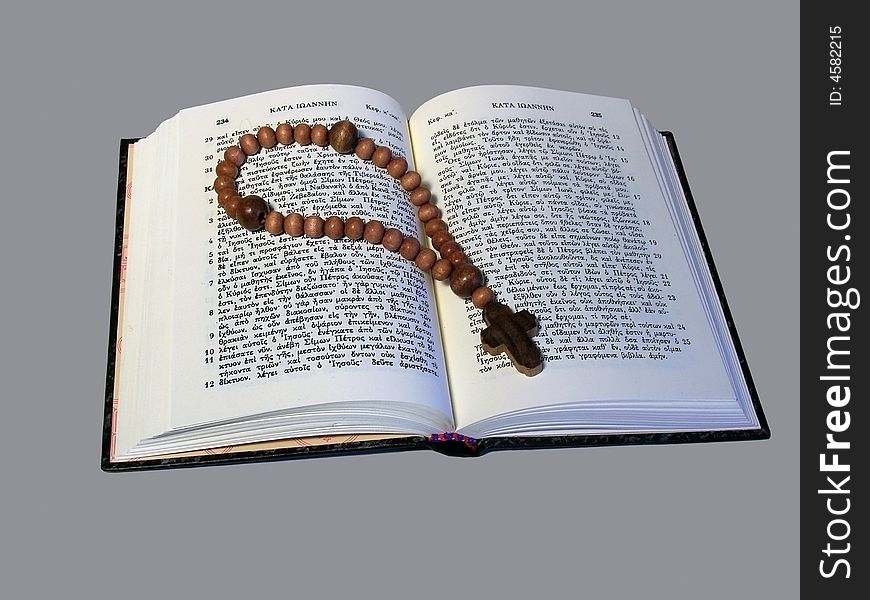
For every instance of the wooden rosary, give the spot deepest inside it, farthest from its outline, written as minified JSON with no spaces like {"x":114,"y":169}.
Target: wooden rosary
{"x":506,"y":332}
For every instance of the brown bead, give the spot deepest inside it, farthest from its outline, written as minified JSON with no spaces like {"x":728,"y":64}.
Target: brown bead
{"x":425,"y":259}
{"x":393,"y":239}
{"x":410,"y":181}
{"x":434,"y":225}
{"x":302,"y":134}
{"x":229,"y":198}
{"x":354,"y":228}
{"x":224,"y":194}
{"x":235,"y":155}
{"x":343,"y":136}
{"x":365,"y":148}
{"x":374,"y":232}
{"x":439,"y":237}
{"x":382,"y":156}
{"x":222,"y":182}
{"x":284,"y":134}
{"x":465,"y":279}
{"x":449,"y":247}
{"x":313,"y":226}
{"x":427,"y":212}
{"x":294,"y":224}
{"x":266,"y":137}
{"x":274,"y":223}
{"x":482,"y":296}
{"x":231,"y":206}
{"x":320,"y":135}
{"x":227,"y":169}
{"x":420,"y":196}
{"x":441,"y":269}
{"x":252,"y":212}
{"x":410,"y":248}
{"x":333,"y":228}
{"x":458,"y":258}
{"x":397,"y":167}
{"x":249,"y":144}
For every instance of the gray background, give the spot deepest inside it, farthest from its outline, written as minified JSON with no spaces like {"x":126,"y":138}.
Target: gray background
{"x":712,"y":521}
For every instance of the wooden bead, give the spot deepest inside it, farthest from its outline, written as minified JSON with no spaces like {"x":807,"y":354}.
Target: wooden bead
{"x":410,"y":181}
{"x":227,"y":199}
{"x":427,"y":212}
{"x":274,"y":223}
{"x":320,"y":135}
{"x":441,"y":269}
{"x":266,"y":137}
{"x":410,"y":248}
{"x":393,"y":239}
{"x":420,"y":196}
{"x":425,"y":259}
{"x":302,"y":134}
{"x":225,"y":194}
{"x":439,"y":237}
{"x":343,"y":137}
{"x":235,"y":155}
{"x":313,"y":226}
{"x":465,"y":279}
{"x":227,"y":169}
{"x":458,"y":258}
{"x":365,"y":148}
{"x":251,"y":212}
{"x":374,"y":232}
{"x":449,"y":247}
{"x":482,"y":296}
{"x":249,"y":144}
{"x":231,"y":206}
{"x":354,"y":228}
{"x":294,"y":224}
{"x":333,"y":228}
{"x":397,"y":167}
{"x":222,"y":182}
{"x":284,"y":134}
{"x":382,"y":156}
{"x":434,"y":225}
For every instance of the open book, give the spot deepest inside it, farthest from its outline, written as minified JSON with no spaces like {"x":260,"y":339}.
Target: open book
{"x":572,"y":205}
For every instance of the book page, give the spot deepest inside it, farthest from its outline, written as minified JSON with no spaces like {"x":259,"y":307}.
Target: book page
{"x":553,"y":196}
{"x":266,"y":323}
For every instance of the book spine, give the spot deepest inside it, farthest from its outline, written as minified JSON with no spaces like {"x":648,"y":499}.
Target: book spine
{"x":454,"y":444}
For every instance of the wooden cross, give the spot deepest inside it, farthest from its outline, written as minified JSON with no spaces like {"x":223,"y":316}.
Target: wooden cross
{"x":511,"y":333}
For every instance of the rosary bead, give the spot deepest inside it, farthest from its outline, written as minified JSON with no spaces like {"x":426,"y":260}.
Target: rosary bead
{"x":274,"y":223}
{"x":434,"y":225}
{"x":465,"y":279}
{"x":227,"y":168}
{"x":354,"y":228}
{"x":294,"y":224}
{"x":266,"y":137}
{"x":302,"y":134}
{"x":343,"y":137}
{"x":449,"y":247}
{"x":425,"y":259}
{"x":222,"y":182}
{"x":251,"y":212}
{"x":393,"y":239}
{"x":458,"y":258}
{"x":284,"y":133}
{"x":249,"y":144}
{"x":314,"y":226}
{"x":333,"y":228}
{"x":235,"y":155}
{"x":439,"y":237}
{"x":441,"y":269}
{"x":320,"y":135}
{"x":420,"y":196}
{"x":427,"y":212}
{"x":231,"y":206}
{"x":482,"y":296}
{"x":410,"y":181}
{"x":382,"y":156}
{"x":365,"y":148}
{"x":374,"y":232}
{"x":410,"y":248}
{"x":224,"y":194}
{"x":397,"y":167}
